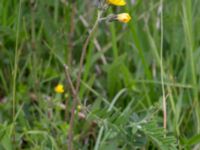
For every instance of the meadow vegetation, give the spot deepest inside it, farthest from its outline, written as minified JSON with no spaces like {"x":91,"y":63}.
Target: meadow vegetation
{"x":131,"y":72}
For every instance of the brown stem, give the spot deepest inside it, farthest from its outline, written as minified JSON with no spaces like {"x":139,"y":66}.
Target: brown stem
{"x":72,"y":88}
{"x":84,"y":51}
{"x":164,"y":113}
{"x":74,"y":94}
{"x":70,"y":47}
{"x":71,"y":33}
{"x":66,"y":108}
{"x":75,"y":91}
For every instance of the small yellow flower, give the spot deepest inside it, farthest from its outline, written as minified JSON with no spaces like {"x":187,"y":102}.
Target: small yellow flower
{"x":79,"y":107}
{"x":59,"y":88}
{"x":117,"y":2}
{"x":124,"y":17}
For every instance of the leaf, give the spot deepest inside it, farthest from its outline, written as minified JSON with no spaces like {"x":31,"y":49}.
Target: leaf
{"x":158,"y":136}
{"x":5,"y":137}
{"x":194,"y":140}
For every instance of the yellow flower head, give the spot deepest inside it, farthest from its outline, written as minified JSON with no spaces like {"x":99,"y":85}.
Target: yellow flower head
{"x":59,"y":88}
{"x":79,"y":107}
{"x":124,"y":17}
{"x":117,"y":2}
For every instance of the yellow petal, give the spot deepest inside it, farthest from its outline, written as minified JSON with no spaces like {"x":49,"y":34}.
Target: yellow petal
{"x":117,"y":2}
{"x":123,"y":17}
{"x":59,"y":88}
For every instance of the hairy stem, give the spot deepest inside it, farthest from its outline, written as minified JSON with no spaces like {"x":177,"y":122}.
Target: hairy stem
{"x":84,"y":50}
{"x":76,"y":89}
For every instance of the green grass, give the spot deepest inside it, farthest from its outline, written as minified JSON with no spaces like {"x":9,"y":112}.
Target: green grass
{"x":127,"y":71}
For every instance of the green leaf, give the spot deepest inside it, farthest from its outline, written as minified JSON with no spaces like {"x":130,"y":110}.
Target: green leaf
{"x":194,"y":140}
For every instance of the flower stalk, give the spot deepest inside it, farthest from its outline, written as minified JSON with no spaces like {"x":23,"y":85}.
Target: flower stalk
{"x":75,"y":91}
{"x":85,"y":49}
{"x":124,"y":17}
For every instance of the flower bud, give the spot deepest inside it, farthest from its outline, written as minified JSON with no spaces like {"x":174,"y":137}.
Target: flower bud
{"x":123,"y":17}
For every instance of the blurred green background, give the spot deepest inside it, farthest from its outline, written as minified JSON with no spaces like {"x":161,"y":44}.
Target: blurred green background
{"x":121,"y":85}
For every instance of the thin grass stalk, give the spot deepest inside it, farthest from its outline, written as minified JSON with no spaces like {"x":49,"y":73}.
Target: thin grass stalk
{"x":17,"y":53}
{"x":190,"y":46}
{"x":162,"y":70}
{"x":97,"y":145}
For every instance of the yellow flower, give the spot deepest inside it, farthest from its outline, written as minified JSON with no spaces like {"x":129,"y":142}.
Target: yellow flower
{"x":124,"y":17}
{"x":79,"y":107}
{"x":117,"y":2}
{"x":59,"y":88}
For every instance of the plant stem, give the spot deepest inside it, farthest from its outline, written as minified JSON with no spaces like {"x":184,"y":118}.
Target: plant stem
{"x":74,"y":94}
{"x":17,"y":53}
{"x":75,"y":91}
{"x":71,"y":33}
{"x":162,"y":71}
{"x":85,"y":49}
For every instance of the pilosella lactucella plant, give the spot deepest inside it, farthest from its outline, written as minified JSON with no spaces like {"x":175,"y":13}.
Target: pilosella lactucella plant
{"x":122,"y":17}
